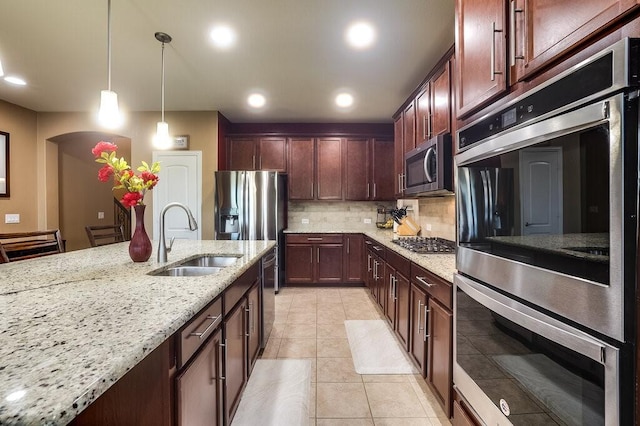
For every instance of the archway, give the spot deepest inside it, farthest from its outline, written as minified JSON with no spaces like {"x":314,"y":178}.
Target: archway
{"x":82,"y":198}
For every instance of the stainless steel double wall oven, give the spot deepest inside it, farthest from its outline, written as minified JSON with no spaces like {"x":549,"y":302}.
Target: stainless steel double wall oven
{"x":547,"y":205}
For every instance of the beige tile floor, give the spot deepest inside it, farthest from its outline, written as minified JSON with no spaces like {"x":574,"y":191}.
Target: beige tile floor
{"x":309,"y":323}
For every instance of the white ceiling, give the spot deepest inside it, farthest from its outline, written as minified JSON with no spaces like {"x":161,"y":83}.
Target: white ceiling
{"x":291,"y":50}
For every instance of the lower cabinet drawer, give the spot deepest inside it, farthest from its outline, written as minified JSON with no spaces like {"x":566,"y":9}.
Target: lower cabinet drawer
{"x":314,"y":238}
{"x":196,"y":332}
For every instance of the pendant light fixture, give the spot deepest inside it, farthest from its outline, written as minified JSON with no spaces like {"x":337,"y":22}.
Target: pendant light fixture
{"x":162,"y":140}
{"x":109,"y":114}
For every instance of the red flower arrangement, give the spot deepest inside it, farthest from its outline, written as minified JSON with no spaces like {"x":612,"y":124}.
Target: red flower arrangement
{"x":123,"y":176}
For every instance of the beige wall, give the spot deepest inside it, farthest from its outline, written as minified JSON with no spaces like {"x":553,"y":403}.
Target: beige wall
{"x":35,"y":139}
{"x":21,"y":124}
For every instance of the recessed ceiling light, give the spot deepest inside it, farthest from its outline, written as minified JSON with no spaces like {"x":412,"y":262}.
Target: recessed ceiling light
{"x":360,"y":35}
{"x":223,"y":36}
{"x":256,"y":100}
{"x":344,"y":100}
{"x":1,"y":70}
{"x":15,"y":80}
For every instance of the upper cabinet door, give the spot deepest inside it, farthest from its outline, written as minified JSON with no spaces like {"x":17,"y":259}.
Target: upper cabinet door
{"x":329,"y":160}
{"x":441,"y":102}
{"x":242,"y":153}
{"x":273,"y":154}
{"x":542,"y":30}
{"x":382,"y":174}
{"x":398,"y":154}
{"x":423,"y":116}
{"x":409,"y":128}
{"x":356,"y":164}
{"x":301,"y":168}
{"x":480,"y":53}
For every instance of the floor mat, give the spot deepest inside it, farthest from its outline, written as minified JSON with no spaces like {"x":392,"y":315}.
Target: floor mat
{"x":375,"y":350}
{"x":277,"y":394}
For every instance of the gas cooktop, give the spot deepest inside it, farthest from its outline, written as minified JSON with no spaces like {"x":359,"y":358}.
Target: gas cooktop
{"x":425,"y":245}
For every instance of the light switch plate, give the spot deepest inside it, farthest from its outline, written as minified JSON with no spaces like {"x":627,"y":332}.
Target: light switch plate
{"x":367,"y":220}
{"x":428,"y":227}
{"x":305,"y":220}
{"x":12,"y":218}
{"x":100,"y":215}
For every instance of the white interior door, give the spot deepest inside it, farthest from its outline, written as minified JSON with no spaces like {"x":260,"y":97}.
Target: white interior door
{"x":180,"y":180}
{"x":541,"y":190}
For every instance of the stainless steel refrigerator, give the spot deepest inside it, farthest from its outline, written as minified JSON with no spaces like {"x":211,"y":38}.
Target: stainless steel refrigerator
{"x":252,"y":205}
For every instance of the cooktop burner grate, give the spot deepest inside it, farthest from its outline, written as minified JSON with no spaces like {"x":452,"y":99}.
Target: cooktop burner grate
{"x":426,"y":244}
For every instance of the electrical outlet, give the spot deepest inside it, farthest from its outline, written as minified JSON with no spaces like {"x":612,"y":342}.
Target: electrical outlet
{"x":428,"y":227}
{"x":305,"y":221}
{"x":367,"y":220}
{"x":100,"y":215}
{"x":12,"y":218}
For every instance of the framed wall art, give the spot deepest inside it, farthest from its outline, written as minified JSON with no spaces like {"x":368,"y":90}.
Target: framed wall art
{"x":4,"y":164}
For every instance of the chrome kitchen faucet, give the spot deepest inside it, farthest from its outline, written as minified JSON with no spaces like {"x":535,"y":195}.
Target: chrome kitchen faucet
{"x":162,"y":246}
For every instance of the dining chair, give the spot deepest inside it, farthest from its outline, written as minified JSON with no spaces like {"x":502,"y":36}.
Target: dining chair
{"x":27,"y":245}
{"x":100,"y":235}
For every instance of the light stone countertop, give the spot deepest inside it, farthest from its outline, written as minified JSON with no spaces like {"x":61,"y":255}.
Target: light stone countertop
{"x":441,"y":264}
{"x":72,"y":324}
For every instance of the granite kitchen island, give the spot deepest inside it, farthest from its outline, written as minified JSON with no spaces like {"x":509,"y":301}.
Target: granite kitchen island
{"x":73,"y":324}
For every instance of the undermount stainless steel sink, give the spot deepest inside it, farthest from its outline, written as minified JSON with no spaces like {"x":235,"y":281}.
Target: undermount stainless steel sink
{"x":186,"y":271}
{"x":211,"y":260}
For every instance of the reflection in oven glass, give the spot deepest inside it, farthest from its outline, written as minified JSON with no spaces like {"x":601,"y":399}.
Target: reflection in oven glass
{"x":542,"y":382}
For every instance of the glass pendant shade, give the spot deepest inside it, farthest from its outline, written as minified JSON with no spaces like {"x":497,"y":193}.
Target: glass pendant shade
{"x":109,"y":114}
{"x":162,"y":140}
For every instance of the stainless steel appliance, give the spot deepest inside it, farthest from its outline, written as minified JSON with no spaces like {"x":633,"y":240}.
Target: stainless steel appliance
{"x":252,"y":205}
{"x":424,"y":245}
{"x":547,"y":192}
{"x":428,"y":168}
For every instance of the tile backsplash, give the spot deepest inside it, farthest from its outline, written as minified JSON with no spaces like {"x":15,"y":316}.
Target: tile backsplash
{"x":351,"y":214}
{"x":436,"y":213}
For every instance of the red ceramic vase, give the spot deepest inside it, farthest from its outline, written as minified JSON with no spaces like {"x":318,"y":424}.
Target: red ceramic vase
{"x":140,"y":245}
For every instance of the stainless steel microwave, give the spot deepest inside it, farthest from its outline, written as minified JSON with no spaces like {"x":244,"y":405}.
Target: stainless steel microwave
{"x":429,"y":168}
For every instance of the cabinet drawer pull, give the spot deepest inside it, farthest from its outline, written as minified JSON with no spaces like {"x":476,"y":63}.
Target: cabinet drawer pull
{"x":426,"y":311}
{"x":512,"y":33}
{"x":376,"y":248}
{"x":493,"y":51}
{"x":422,"y":280}
{"x":314,"y":238}
{"x":214,"y":322}
{"x":224,"y":358}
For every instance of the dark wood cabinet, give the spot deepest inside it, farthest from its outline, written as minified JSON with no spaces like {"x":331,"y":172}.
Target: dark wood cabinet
{"x":314,"y":259}
{"x":272,"y":154}
{"x":398,"y":155}
{"x":440,"y":96}
{"x":418,"y":326}
{"x":199,"y":387}
{"x":480,"y":53}
{"x":543,"y":31}
{"x":439,"y":370}
{"x":423,"y":115}
{"x":462,"y":417}
{"x":257,"y":153}
{"x":353,"y":255}
{"x":301,"y":169}
{"x":431,"y":343}
{"x":397,"y":269}
{"x":381,"y":170}
{"x":368,"y":175}
{"x":409,"y":128}
{"x":242,"y":153}
{"x":329,"y":169}
{"x":235,"y":359}
{"x":357,"y":179}
{"x":254,"y":313}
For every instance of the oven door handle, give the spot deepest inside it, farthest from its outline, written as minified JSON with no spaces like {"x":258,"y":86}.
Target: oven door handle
{"x":533,"y":320}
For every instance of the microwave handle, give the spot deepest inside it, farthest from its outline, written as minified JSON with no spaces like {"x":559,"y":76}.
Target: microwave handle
{"x":430,"y":151}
